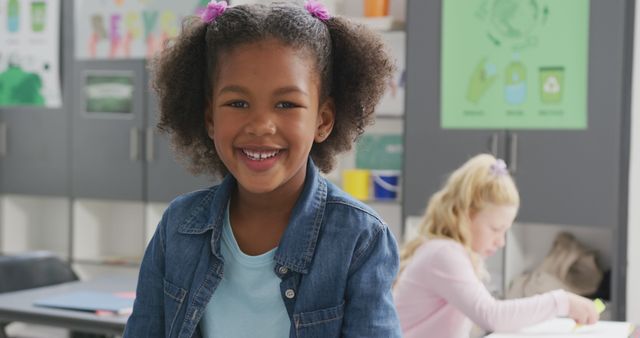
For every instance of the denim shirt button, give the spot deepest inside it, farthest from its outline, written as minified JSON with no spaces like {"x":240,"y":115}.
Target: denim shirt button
{"x":290,"y":293}
{"x":283,"y":270}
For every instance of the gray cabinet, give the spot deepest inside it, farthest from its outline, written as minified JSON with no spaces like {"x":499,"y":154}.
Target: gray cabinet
{"x":33,"y":151}
{"x":108,"y":119}
{"x":165,"y":178}
{"x":575,"y":177}
{"x":119,"y":154}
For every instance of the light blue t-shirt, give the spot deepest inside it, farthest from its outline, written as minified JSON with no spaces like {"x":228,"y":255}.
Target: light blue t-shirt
{"x":247,"y":303}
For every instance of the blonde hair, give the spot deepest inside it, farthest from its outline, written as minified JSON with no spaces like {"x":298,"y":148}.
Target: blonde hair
{"x":478,"y":182}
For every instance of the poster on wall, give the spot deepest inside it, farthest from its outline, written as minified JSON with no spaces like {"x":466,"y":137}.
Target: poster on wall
{"x":514,"y":64}
{"x":128,"y":29}
{"x":29,"y":53}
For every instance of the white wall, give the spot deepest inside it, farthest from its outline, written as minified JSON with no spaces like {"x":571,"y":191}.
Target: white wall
{"x":633,"y":236}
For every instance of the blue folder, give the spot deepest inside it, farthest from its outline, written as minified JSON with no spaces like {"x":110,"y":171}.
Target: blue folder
{"x":88,"y":301}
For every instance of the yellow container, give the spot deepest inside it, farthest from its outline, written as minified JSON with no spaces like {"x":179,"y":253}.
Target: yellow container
{"x":356,"y":182}
{"x":374,"y":8}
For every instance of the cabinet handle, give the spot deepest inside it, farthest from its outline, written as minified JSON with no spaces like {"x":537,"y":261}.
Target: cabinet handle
{"x":134,"y":154}
{"x":493,"y":144}
{"x":149,"y":144}
{"x":513,"y":153}
{"x":3,"y":139}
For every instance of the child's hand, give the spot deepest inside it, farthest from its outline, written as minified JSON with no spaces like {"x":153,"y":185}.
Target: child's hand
{"x":582,"y":310}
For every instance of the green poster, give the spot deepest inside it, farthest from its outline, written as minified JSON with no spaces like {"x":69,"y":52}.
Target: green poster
{"x":514,"y":64}
{"x":109,"y":93}
{"x":379,"y":151}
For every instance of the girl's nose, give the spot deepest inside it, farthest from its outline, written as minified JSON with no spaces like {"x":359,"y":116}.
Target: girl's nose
{"x":261,"y":124}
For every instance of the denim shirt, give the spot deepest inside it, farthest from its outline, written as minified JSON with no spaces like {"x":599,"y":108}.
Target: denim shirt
{"x":336,"y":260}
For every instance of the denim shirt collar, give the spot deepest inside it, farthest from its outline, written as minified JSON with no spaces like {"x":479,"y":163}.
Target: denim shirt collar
{"x":298,"y":243}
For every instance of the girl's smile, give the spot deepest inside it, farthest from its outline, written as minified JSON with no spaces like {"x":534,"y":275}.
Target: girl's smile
{"x":260,"y":159}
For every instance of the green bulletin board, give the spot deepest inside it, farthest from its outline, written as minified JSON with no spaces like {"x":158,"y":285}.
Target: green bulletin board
{"x":379,"y":151}
{"x":514,"y":64}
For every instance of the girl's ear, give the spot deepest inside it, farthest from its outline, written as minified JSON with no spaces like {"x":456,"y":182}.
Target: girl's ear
{"x":326,"y":119}
{"x":208,"y":120}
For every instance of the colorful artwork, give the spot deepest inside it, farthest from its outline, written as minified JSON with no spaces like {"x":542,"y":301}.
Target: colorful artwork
{"x":122,"y":29}
{"x":514,"y":64}
{"x":29,"y":57}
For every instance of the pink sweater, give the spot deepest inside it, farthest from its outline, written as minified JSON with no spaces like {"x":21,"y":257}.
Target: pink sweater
{"x":438,"y":295}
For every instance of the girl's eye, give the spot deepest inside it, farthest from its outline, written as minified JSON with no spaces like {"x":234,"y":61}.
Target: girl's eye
{"x":238,"y":104}
{"x":286,"y":105}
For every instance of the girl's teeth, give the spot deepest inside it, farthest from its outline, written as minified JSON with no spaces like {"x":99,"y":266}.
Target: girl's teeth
{"x":255,"y":155}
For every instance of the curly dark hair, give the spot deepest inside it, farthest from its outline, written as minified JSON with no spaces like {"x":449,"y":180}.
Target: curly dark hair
{"x":353,"y":64}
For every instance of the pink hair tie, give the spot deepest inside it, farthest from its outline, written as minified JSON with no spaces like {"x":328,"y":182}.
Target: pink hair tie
{"x":317,"y":10}
{"x":213,"y":10}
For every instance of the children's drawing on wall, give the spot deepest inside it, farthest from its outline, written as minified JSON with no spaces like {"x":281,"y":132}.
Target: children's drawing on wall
{"x":29,"y":57}
{"x":121,"y":29}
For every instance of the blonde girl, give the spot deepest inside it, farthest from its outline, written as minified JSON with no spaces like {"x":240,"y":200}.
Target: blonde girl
{"x":439,"y":291}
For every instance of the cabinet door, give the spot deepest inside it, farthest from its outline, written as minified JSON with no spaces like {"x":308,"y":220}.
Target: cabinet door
{"x":3,"y":150}
{"x":34,"y":155}
{"x":108,"y":121}
{"x":430,"y":151}
{"x":165,"y":177}
{"x":574,"y":177}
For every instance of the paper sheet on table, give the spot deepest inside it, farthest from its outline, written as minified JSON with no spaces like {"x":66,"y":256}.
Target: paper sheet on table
{"x":565,"y":327}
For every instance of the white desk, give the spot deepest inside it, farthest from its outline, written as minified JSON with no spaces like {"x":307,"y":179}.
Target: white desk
{"x":18,"y":306}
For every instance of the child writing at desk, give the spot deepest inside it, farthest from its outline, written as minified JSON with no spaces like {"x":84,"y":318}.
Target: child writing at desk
{"x":439,"y":290}
{"x":267,"y":96}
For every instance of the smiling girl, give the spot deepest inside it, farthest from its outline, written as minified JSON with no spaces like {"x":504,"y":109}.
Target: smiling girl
{"x":267,"y":96}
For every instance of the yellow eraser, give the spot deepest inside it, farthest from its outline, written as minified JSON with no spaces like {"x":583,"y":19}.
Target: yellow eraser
{"x":599,"y":305}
